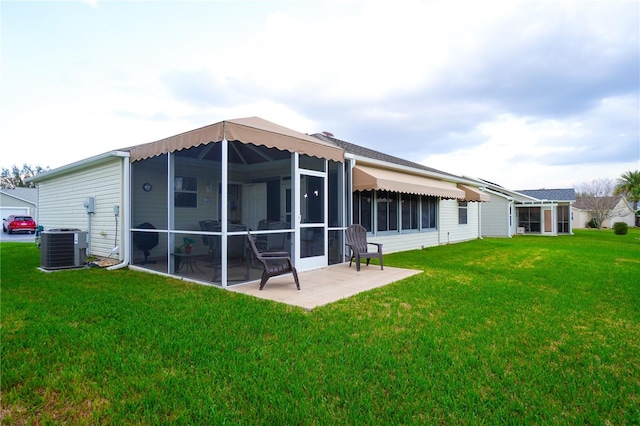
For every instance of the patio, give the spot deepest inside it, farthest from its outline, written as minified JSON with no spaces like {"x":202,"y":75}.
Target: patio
{"x":317,"y":287}
{"x":323,"y":286}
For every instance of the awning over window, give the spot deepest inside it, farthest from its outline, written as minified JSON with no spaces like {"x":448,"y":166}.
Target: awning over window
{"x":367,"y":178}
{"x":474,"y":194}
{"x":252,"y":130}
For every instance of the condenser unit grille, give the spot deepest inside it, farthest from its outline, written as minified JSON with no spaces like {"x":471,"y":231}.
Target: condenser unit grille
{"x":61,"y":249}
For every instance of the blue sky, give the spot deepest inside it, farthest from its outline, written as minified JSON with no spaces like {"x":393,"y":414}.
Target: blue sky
{"x":527,"y":94}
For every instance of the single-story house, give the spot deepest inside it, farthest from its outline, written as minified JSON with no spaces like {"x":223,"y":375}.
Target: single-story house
{"x":182,"y":205}
{"x":621,"y":211}
{"x":537,"y":212}
{"x":406,"y":205}
{"x":18,"y":201}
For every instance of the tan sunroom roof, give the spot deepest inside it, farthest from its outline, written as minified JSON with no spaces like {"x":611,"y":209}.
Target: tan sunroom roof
{"x":252,"y":130}
{"x":367,"y":178}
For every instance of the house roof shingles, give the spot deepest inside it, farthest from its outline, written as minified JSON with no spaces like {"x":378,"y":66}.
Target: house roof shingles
{"x":377,"y":155}
{"x":563,"y":194}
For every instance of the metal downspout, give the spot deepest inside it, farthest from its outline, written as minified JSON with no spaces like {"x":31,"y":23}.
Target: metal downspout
{"x":125,"y":214}
{"x":479,"y":220}
{"x":438,"y":218}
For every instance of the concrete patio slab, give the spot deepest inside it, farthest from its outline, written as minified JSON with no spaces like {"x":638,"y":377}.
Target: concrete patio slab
{"x":323,"y":286}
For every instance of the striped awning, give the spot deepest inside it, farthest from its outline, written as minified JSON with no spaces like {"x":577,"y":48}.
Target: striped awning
{"x":251,"y":130}
{"x":366,"y":178}
{"x":474,"y":194}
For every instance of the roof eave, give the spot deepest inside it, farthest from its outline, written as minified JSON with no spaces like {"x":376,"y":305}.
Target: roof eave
{"x":78,"y":165}
{"x":18,"y":198}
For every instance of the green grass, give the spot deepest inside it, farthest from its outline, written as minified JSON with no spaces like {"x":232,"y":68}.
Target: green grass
{"x":529,"y":330}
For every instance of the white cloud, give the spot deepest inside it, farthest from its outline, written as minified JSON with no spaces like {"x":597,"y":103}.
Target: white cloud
{"x":531,"y":92}
{"x":526,"y":153}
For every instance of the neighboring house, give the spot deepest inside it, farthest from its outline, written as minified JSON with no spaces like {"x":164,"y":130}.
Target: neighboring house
{"x":18,"y":201}
{"x":206,"y":187}
{"x":621,"y":211}
{"x":537,"y":212}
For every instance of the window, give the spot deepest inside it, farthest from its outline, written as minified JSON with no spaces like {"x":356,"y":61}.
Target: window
{"x":395,"y":211}
{"x":529,"y":218}
{"x":185,"y":191}
{"x":429,"y":212}
{"x":462,"y":212}
{"x":312,"y":199}
{"x":409,"y":204}
{"x":362,"y":209}
{"x":387,"y":209}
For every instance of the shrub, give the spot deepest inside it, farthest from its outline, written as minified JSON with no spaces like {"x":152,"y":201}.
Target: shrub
{"x":592,"y":223}
{"x":620,"y":228}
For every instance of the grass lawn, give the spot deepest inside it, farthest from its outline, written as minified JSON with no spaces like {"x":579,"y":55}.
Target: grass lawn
{"x":529,"y":330}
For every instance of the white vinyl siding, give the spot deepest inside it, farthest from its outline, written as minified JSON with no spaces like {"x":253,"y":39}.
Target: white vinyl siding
{"x":61,"y":204}
{"x":495,"y":217}
{"x":580,"y":218}
{"x":621,"y":213}
{"x":403,"y":242}
{"x":450,"y":230}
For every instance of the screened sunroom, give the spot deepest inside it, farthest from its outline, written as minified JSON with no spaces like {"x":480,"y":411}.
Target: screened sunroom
{"x":195,"y":195}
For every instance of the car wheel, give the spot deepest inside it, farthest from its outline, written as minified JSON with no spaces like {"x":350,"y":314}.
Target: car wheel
{"x":33,"y":232}
{"x":9,"y":231}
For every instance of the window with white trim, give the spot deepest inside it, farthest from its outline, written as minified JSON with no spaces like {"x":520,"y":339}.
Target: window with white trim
{"x":409,"y":203}
{"x":429,"y":212}
{"x":387,"y":210}
{"x":462,"y":212}
{"x":185,"y":191}
{"x":362,"y":202}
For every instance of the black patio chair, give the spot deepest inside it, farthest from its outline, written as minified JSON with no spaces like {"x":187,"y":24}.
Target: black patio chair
{"x":273,"y":263}
{"x":357,"y":241}
{"x":145,"y":241}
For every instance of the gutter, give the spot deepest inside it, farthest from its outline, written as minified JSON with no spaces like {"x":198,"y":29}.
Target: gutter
{"x":124,"y":213}
{"x":82,"y":164}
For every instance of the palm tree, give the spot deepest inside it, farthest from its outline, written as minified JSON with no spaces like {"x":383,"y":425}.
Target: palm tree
{"x":629,"y":186}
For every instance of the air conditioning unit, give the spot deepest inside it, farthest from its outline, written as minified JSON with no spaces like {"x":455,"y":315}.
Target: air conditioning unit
{"x":63,"y":248}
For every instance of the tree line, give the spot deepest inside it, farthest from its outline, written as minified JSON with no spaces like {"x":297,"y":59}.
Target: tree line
{"x":16,"y":176}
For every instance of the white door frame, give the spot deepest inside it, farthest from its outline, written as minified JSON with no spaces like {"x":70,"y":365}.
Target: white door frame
{"x":286,"y":214}
{"x":315,"y":262}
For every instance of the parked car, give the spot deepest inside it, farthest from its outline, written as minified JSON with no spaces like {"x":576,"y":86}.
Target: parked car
{"x":15,"y":223}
